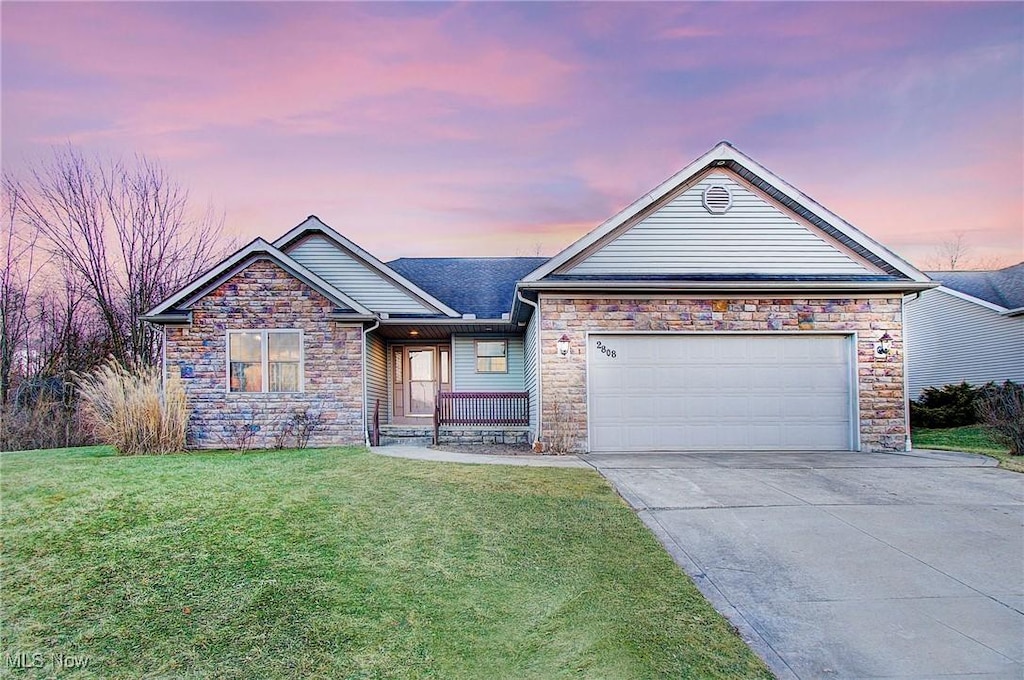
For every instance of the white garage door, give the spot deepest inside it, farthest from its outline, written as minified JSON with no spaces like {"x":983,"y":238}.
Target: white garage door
{"x":720,"y":392}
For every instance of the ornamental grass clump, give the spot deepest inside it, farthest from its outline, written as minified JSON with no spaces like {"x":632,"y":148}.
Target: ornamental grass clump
{"x":132,"y":410}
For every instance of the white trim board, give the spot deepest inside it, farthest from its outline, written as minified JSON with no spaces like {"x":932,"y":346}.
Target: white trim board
{"x":315,"y":224}
{"x":239,"y":261}
{"x":721,"y":155}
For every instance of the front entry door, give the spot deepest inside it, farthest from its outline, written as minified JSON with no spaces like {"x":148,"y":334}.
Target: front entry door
{"x":422,"y":381}
{"x":418,"y":372}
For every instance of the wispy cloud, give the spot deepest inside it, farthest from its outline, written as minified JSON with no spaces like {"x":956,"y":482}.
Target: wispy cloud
{"x":475,"y":128}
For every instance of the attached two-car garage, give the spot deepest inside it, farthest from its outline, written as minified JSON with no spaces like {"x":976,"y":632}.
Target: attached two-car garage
{"x":708,"y":391}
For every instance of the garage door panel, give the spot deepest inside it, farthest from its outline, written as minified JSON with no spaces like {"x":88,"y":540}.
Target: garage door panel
{"x":706,"y":392}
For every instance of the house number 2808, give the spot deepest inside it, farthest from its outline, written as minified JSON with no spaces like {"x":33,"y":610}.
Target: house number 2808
{"x":607,"y":351}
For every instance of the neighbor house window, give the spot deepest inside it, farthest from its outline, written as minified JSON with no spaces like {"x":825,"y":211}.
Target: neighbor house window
{"x":492,"y":356}
{"x":265,"y":361}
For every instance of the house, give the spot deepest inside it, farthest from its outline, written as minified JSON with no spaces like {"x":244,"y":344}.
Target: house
{"x":724,"y":309}
{"x":971,"y":328}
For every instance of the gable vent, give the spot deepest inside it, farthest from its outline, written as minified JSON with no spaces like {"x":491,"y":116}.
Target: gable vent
{"x":717,"y":199}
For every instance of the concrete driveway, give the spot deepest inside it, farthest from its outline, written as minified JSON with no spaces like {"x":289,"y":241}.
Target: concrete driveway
{"x":847,"y":565}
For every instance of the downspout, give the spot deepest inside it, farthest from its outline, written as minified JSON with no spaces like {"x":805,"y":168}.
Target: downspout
{"x":909,"y":444}
{"x":536,"y":310}
{"x":163,"y":356}
{"x":366,"y":331}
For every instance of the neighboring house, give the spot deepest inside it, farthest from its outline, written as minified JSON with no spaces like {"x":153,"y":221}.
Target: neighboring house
{"x":971,"y":328}
{"x":722,"y":310}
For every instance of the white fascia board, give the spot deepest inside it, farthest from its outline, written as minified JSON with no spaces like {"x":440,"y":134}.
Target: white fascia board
{"x":978,"y":301}
{"x":630,"y":211}
{"x":837,"y":222}
{"x":237,"y":262}
{"x":313,"y":223}
{"x":428,"y":321}
{"x":742,"y":286}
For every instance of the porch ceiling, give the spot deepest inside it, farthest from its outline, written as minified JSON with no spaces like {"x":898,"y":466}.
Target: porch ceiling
{"x":442,"y":329}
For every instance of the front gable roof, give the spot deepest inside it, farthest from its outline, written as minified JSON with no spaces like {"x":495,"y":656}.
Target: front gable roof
{"x":770,"y":231}
{"x":176,"y":307}
{"x":347,"y":266}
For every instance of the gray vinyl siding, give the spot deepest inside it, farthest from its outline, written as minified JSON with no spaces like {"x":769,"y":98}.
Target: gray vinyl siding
{"x":376,"y":378}
{"x":950,"y":340}
{"x":752,"y":237}
{"x":336,"y":266}
{"x":464,"y":375}
{"x":530,"y":368}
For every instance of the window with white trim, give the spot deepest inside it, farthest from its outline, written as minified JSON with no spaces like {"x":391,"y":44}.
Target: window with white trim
{"x":265,"y":361}
{"x":492,"y":356}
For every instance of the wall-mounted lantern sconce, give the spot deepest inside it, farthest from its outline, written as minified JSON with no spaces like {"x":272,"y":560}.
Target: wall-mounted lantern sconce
{"x":563,"y":345}
{"x":883,"y":346}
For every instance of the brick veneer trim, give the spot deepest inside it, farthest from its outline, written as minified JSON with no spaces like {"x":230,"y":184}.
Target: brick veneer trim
{"x":265,"y":297}
{"x":880,"y":386}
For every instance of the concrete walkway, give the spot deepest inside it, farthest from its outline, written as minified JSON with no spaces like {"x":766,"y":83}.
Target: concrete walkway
{"x":847,"y":565}
{"x":424,"y":453}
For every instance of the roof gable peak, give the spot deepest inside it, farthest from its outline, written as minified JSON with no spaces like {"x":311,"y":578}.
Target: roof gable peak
{"x":313,"y":224}
{"x":727,"y":156}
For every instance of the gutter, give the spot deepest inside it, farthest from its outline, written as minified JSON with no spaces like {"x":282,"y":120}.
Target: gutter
{"x":168,"y":318}
{"x":342,"y":317}
{"x":416,"y":321}
{"x":366,"y":331}
{"x":737,"y":286}
{"x":536,"y":310}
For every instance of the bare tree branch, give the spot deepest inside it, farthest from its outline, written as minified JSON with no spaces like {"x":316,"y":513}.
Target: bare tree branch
{"x":126,"y":235}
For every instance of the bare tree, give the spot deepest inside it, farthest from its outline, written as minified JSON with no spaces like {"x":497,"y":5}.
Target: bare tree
{"x":20,"y":265}
{"x":955,"y":253}
{"x":952,"y":252}
{"x":126,"y":232}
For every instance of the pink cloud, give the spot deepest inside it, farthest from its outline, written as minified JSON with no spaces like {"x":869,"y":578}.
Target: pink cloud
{"x":470,"y":129}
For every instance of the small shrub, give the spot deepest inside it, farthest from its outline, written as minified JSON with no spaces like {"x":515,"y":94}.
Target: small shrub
{"x":1002,"y":411}
{"x":133,"y":411}
{"x":564,"y":436}
{"x":42,"y":424}
{"x":946,"y":406}
{"x":300,"y":428}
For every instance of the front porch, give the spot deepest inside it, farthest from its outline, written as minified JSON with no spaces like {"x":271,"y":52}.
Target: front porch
{"x":408,"y":435}
{"x":464,"y":386}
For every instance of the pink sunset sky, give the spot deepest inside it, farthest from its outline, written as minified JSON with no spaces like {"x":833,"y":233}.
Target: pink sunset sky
{"x":502,"y":129}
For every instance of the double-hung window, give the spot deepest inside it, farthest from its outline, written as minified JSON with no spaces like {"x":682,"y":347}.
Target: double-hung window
{"x":492,"y":356}
{"x":265,"y":361}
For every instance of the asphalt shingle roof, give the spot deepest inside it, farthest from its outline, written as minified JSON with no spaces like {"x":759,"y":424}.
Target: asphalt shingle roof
{"x":1003,"y":287}
{"x":471,"y":285}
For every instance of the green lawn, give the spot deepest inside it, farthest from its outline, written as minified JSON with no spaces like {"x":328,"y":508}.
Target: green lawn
{"x":338,"y":563}
{"x":968,"y":439}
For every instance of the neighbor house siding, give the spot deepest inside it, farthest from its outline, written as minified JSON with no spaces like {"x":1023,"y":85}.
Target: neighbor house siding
{"x":530,"y":367}
{"x":264,"y":296}
{"x":376,"y":378}
{"x":950,"y":340}
{"x":352,"y":277}
{"x":752,"y":237}
{"x":880,"y":397}
{"x":464,"y":375}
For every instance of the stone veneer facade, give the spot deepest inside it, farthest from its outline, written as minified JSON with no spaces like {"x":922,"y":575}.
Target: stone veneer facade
{"x":881,"y":384}
{"x":265,"y":297}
